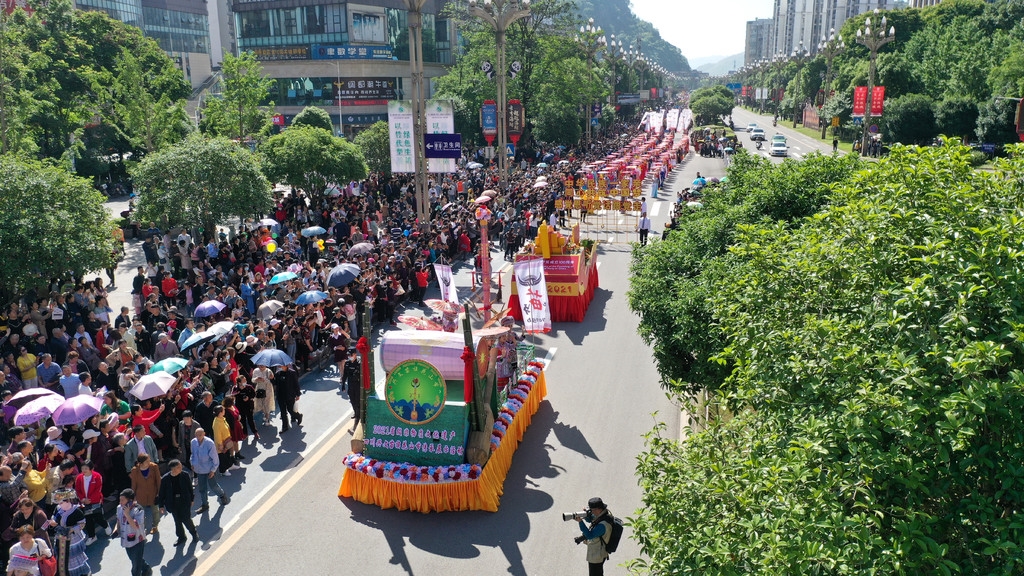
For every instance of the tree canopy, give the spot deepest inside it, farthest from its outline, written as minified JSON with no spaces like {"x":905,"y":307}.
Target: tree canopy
{"x":241,"y":109}
{"x":375,"y":144}
{"x":311,"y":159}
{"x":55,"y":225}
{"x":315,"y":117}
{"x":201,"y":182}
{"x":870,"y":419}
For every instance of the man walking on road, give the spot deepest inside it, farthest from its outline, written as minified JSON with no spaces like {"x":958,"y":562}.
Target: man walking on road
{"x":176,"y":496}
{"x":204,"y":463}
{"x":644,"y":227}
{"x":287,"y":390}
{"x":131,"y":526}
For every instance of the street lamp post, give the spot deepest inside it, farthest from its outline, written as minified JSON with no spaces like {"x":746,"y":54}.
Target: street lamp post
{"x":415,"y":9}
{"x":873,"y":41}
{"x":777,"y":64}
{"x":500,"y":14}
{"x":829,"y":48}
{"x":615,"y":55}
{"x":799,"y":56}
{"x":590,"y":39}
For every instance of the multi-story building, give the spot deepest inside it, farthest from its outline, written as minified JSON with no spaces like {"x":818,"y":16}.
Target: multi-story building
{"x":807,"y":21}
{"x":759,"y":40}
{"x":180,"y":27}
{"x":923,"y":3}
{"x":347,"y":58}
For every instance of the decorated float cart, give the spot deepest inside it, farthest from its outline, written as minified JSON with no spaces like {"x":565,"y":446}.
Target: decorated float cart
{"x":569,"y":273}
{"x":440,"y":432}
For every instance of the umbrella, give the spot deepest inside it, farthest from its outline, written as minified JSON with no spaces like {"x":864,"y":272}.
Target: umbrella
{"x":692,"y":204}
{"x":474,"y":165}
{"x":542,"y":178}
{"x":724,"y":179}
{"x":444,"y":306}
{"x":313,"y":231}
{"x":271,"y":357}
{"x":221,"y":329}
{"x":269,"y":308}
{"x":26,"y":396}
{"x":283,"y":277}
{"x":153,"y":385}
{"x":169,"y":365}
{"x":77,"y":409}
{"x":269,"y":223}
{"x":418,"y":322}
{"x":38,"y":409}
{"x":343,"y":274}
{"x":542,"y":165}
{"x":196,"y":339}
{"x":483,"y":199}
{"x":311,"y":297}
{"x":729,"y":150}
{"x":209,"y":308}
{"x":491,"y":193}
{"x":360,"y":249}
{"x":540,"y":184}
{"x":333,"y":191}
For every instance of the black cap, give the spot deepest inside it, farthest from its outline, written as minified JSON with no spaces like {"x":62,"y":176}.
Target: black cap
{"x":596,"y":503}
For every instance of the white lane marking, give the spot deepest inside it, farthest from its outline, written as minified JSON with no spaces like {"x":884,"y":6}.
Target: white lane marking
{"x":598,"y":264}
{"x":549,"y":356}
{"x":611,"y":239}
{"x":655,"y":210}
{"x":622,"y":221}
{"x":261,"y":497}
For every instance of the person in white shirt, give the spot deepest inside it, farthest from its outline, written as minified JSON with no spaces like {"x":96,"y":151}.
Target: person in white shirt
{"x":644,"y":228}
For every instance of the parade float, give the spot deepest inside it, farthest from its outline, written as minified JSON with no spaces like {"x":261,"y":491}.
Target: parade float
{"x":439,"y":433}
{"x":564,"y":266}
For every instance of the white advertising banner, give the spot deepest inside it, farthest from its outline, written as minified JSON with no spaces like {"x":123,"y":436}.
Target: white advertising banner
{"x":444,"y":278}
{"x":400,"y":128}
{"x":685,"y":120}
{"x":533,"y":295}
{"x":657,"y":122}
{"x":440,"y":120}
{"x":672,"y":119}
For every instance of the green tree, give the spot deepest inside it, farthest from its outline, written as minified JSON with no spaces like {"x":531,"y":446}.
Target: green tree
{"x":55,"y":225}
{"x":909,"y":119}
{"x":375,"y":144}
{"x":711,"y":104}
{"x":147,"y":118}
{"x":995,"y":121}
{"x":956,"y":117}
{"x":315,"y":117}
{"x":201,"y":182}
{"x":240,"y":111}
{"x":873,"y":409}
{"x":311,"y":159}
{"x":15,"y":99}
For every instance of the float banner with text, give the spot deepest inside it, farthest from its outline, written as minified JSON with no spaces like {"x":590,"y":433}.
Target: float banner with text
{"x":439,"y":442}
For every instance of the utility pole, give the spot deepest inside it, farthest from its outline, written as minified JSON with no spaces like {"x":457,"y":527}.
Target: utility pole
{"x":415,"y":9}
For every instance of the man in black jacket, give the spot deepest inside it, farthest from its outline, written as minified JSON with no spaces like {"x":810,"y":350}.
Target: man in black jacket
{"x":286,"y":384}
{"x":176,"y":497}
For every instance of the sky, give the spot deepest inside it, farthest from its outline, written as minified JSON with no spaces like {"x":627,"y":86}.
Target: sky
{"x":702,"y":28}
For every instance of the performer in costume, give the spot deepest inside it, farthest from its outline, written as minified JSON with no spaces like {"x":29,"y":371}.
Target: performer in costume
{"x":69,"y":542}
{"x":507,"y":362}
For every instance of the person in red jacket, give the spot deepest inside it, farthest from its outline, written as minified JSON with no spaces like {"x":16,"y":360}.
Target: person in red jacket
{"x":89,"y":488}
{"x":422,"y":281}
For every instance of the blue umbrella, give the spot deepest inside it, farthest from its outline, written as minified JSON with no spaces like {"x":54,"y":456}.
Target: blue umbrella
{"x":343,"y":274}
{"x":169,"y":365}
{"x":271,"y":357}
{"x":313,"y":231}
{"x":311,"y":297}
{"x":209,"y":308}
{"x":283,"y":277}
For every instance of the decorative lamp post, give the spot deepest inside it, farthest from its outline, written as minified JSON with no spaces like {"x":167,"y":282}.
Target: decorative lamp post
{"x":873,"y":41}
{"x":615,"y":56}
{"x":591,"y":41}
{"x":799,"y":56}
{"x":500,"y":14}
{"x":829,"y":48}
{"x":415,"y":9}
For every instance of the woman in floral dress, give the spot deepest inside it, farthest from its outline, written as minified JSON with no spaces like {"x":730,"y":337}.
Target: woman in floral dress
{"x":69,"y":542}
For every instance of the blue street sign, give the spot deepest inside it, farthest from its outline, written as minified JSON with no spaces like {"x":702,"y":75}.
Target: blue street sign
{"x":510,"y":150}
{"x":734,"y":86}
{"x":442,"y":145}
{"x":595,"y":121}
{"x":858,"y":120}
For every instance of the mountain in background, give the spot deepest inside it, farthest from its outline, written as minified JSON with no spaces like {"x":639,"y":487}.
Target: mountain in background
{"x":723,"y":66}
{"x":696,"y":63}
{"x":616,"y":17}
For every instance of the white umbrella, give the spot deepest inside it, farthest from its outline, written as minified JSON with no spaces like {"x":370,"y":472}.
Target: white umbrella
{"x":222,"y":328}
{"x":153,"y":385}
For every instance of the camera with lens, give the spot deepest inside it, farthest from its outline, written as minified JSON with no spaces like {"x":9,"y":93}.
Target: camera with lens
{"x":566,"y":516}
{"x":579,"y":539}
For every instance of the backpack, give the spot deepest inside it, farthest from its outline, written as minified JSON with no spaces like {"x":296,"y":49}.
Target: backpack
{"x":613,"y":539}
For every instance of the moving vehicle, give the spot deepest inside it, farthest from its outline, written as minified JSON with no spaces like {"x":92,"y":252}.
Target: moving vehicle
{"x":779,"y":138}
{"x":757,"y":134}
{"x":751,"y":126}
{"x":778,"y":149}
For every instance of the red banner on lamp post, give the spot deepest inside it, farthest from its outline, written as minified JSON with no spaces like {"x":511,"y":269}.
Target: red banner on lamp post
{"x":1020,"y":119}
{"x":877,"y":100}
{"x":860,"y":100}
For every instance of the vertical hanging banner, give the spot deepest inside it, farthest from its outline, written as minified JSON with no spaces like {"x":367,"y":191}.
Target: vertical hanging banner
{"x":533,"y":295}
{"x":516,"y":119}
{"x":1020,"y":120}
{"x":860,"y":100}
{"x":440,"y":120}
{"x":877,"y":100}
{"x":444,"y":278}
{"x":400,"y":128}
{"x":658,"y":121}
{"x":672,"y":119}
{"x":489,"y":120}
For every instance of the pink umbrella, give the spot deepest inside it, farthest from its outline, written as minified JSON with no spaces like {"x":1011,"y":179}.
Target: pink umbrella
{"x":540,"y":184}
{"x":38,"y":409}
{"x":77,"y":409}
{"x":483,"y":199}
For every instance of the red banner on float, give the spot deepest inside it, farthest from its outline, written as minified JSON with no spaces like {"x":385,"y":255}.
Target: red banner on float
{"x":877,"y":100}
{"x":860,"y":100}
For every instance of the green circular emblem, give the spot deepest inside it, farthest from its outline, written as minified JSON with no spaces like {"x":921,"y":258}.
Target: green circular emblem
{"x":415,"y":391}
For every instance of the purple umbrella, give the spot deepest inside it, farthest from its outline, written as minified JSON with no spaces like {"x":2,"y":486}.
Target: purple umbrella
{"x":26,"y":396}
{"x":38,"y":409}
{"x":209,"y":308}
{"x":77,"y":409}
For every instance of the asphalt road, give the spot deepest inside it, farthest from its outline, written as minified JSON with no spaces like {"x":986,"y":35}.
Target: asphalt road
{"x":799,"y":144}
{"x":285,"y":516}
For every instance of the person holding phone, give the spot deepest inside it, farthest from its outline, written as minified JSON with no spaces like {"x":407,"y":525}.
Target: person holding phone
{"x":131,"y":525}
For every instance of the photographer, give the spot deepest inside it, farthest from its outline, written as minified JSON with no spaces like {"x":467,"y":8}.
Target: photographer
{"x":596,"y":535}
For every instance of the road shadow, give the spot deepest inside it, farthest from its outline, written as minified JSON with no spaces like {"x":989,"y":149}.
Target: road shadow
{"x":505,"y":529}
{"x":572,"y":438}
{"x":594,"y":321}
